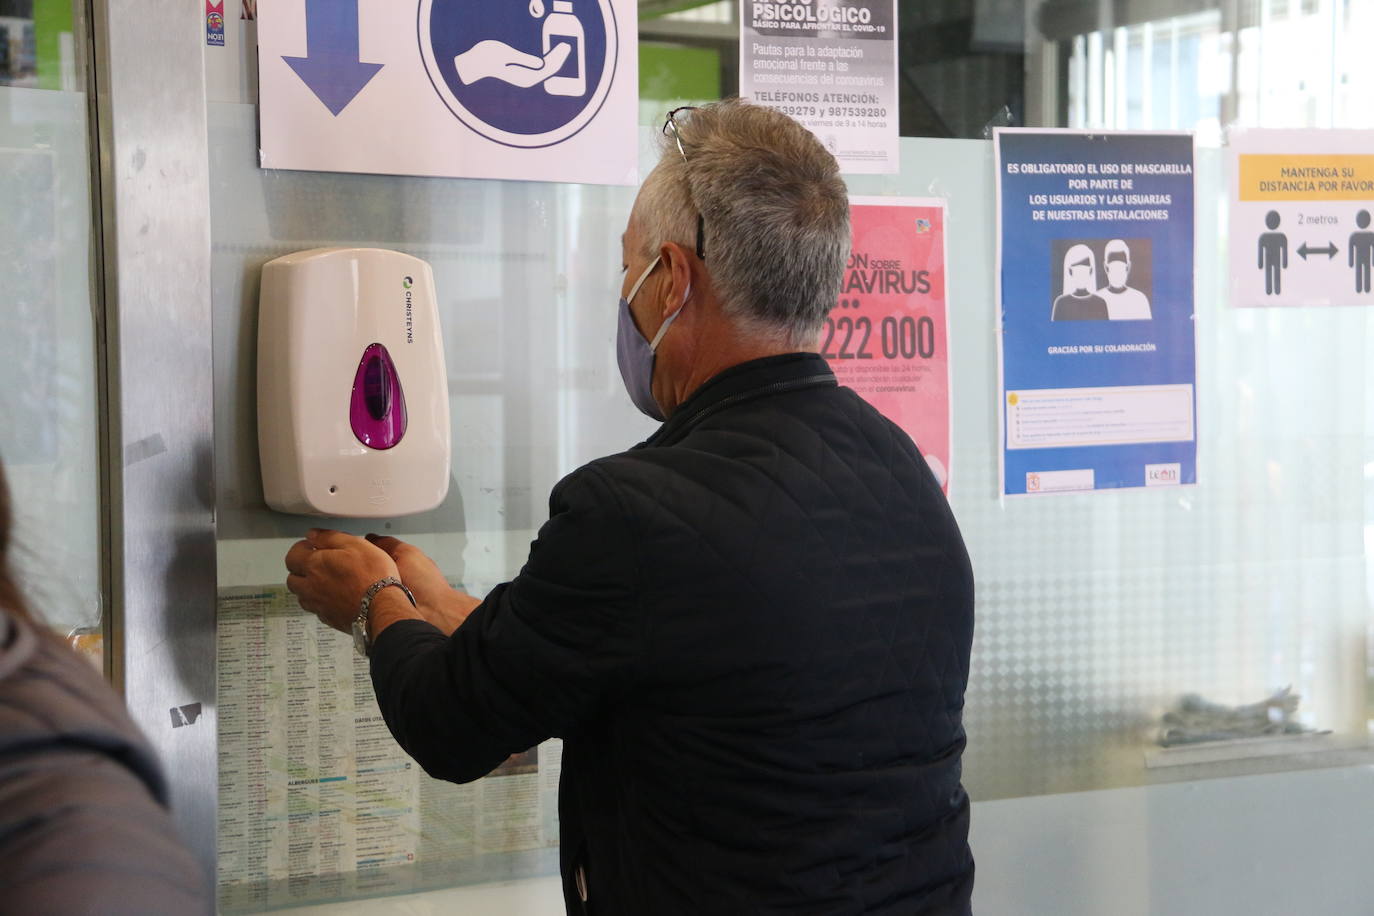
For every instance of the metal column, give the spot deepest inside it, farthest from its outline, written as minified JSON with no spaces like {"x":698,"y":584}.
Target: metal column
{"x":155,"y":222}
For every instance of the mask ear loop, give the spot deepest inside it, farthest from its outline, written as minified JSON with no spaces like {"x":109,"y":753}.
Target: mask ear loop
{"x":642,"y":277}
{"x":663,"y":328}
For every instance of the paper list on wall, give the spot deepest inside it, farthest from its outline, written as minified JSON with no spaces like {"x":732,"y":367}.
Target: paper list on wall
{"x":317,"y":801}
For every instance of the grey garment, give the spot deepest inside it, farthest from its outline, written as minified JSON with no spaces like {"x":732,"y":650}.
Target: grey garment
{"x":84,"y":827}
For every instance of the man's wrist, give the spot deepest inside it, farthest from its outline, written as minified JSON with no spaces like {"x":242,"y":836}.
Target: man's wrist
{"x":389,"y":606}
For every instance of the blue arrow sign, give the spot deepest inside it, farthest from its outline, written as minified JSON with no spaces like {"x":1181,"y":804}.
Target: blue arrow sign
{"x":331,"y":67}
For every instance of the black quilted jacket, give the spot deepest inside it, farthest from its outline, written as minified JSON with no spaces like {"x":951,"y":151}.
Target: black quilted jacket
{"x":752,"y":632}
{"x":84,"y":827}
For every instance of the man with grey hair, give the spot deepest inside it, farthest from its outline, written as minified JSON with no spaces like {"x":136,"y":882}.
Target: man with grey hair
{"x":752,"y":630}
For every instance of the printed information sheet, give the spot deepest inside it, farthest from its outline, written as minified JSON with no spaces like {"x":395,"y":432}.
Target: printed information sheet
{"x":1095,"y":281}
{"x":888,"y":336}
{"x":317,"y":802}
{"x":1301,"y":206}
{"x":832,"y":65}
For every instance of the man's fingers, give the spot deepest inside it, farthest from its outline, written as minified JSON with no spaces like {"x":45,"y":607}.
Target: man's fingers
{"x":395,"y":548}
{"x":297,"y":557}
{"x":387,"y":543}
{"x":325,"y":538}
{"x":295,"y":584}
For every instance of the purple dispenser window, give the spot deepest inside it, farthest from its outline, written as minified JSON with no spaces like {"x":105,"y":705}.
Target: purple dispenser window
{"x":377,"y":409}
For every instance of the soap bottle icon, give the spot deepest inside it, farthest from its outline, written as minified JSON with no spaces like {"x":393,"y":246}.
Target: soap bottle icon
{"x":562,"y":26}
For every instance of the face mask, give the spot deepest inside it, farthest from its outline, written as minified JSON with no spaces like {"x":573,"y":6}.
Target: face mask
{"x":636,"y":355}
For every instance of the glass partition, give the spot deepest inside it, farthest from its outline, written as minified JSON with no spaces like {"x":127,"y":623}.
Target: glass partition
{"x":49,"y":310}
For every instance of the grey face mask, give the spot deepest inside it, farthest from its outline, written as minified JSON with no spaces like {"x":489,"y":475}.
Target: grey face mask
{"x":635,"y":355}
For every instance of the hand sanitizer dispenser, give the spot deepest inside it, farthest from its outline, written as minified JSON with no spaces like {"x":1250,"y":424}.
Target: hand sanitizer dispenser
{"x":353,"y":416}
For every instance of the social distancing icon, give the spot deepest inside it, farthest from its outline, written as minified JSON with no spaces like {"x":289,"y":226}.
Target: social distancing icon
{"x":1300,"y":217}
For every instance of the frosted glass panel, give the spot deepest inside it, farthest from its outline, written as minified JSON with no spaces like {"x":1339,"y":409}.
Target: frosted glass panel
{"x":1095,"y":612}
{"x":48,"y":422}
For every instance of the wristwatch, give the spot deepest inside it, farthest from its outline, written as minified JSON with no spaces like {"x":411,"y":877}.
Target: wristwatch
{"x":361,"y":641}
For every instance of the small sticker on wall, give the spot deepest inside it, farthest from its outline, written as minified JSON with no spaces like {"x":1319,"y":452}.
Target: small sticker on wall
{"x":1059,"y":481}
{"x":183,"y":716}
{"x":1163,"y":475}
{"x":214,"y":24}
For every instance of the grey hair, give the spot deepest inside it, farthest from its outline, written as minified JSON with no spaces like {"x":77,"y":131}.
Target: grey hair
{"x":776,"y":215}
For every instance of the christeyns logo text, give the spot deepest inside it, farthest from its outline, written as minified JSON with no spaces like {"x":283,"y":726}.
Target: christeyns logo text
{"x":406,"y":284}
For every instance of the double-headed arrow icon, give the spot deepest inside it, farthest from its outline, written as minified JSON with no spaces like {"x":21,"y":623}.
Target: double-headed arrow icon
{"x":1330,"y":250}
{"x":331,"y":67}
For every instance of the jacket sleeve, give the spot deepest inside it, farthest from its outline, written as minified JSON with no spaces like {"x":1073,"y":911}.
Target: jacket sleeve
{"x":538,"y":658}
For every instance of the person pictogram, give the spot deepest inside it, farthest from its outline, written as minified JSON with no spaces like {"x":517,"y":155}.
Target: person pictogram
{"x":1362,"y":252}
{"x":1273,"y":254}
{"x":1078,"y":301}
{"x":1124,"y":303}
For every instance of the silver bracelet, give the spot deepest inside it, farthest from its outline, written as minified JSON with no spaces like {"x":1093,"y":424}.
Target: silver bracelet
{"x":362,"y":642}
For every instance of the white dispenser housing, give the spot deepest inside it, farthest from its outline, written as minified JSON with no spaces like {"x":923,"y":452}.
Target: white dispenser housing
{"x":353,"y":415}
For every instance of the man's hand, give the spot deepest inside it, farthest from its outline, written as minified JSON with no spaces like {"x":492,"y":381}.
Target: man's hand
{"x":440,"y":603}
{"x":331,"y":571}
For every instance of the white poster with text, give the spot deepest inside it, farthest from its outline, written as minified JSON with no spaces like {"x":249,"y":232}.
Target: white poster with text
{"x":831,"y":65}
{"x":1301,"y":230}
{"x":543,"y":90}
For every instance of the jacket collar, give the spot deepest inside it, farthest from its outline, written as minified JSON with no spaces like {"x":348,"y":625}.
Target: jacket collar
{"x":753,"y":379}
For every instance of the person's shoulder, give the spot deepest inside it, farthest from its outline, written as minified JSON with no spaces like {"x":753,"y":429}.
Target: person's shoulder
{"x":78,"y":828}
{"x":607,"y":484}
{"x":56,"y":698}
{"x":82,"y":800}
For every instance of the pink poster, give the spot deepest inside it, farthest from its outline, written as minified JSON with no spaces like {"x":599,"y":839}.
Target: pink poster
{"x":888,"y":336}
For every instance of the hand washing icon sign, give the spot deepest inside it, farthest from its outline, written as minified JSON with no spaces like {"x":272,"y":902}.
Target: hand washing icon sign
{"x":562,"y":36}
{"x":520,"y":74}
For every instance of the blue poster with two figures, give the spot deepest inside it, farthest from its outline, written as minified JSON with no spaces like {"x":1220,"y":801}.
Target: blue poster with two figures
{"x":1095,"y":286}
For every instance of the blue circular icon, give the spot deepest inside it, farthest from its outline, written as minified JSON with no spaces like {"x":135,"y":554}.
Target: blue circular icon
{"x":525,"y":73}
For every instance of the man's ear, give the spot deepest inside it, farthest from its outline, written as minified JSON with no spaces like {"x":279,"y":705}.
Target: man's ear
{"x":678,"y":265}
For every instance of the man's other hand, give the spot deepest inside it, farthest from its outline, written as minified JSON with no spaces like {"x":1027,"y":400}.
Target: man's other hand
{"x":330,"y":572}
{"x":440,"y":603}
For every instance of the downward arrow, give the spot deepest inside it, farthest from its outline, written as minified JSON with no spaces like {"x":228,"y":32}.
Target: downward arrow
{"x":331,"y":67}
{"x":1330,"y":250}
